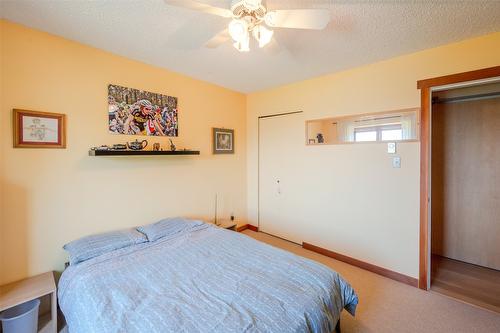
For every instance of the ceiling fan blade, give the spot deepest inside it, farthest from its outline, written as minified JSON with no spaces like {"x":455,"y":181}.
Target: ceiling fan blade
{"x":316,"y":19}
{"x":202,"y":7}
{"x":219,"y":39}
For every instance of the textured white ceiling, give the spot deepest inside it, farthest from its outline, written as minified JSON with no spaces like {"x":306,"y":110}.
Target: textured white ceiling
{"x":360,"y":32}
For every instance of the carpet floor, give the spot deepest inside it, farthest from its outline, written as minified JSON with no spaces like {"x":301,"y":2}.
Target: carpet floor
{"x":389,"y":306}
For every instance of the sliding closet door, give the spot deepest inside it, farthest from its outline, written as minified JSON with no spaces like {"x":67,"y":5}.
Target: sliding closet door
{"x":466,"y":181}
{"x":281,"y":146}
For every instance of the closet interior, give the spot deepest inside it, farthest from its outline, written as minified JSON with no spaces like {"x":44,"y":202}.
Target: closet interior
{"x":465,"y":194}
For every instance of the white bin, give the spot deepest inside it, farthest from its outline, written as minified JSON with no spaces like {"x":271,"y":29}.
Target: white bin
{"x":22,"y":318}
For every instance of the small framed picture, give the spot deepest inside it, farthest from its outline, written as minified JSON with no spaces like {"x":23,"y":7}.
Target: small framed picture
{"x":34,"y":129}
{"x":223,"y":141}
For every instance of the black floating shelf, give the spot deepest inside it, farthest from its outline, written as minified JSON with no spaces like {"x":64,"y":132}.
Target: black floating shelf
{"x":141,"y":152}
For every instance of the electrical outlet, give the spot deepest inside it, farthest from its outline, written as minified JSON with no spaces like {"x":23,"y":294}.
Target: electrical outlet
{"x":396,"y":162}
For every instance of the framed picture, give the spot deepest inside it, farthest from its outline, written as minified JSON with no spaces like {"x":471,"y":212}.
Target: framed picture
{"x":34,"y":129}
{"x":223,"y":141}
{"x":138,"y":112}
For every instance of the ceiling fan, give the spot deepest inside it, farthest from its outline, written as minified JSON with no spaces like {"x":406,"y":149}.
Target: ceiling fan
{"x":251,"y":17}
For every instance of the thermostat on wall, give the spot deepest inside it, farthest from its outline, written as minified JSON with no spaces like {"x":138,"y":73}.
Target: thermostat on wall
{"x":391,"y":147}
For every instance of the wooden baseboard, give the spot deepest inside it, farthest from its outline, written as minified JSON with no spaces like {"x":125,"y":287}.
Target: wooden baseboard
{"x":253,"y":228}
{"x":247,"y":226}
{"x":364,"y":265}
{"x":242,"y":227}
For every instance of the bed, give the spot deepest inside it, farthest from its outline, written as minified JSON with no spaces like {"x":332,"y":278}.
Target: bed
{"x":202,"y":279}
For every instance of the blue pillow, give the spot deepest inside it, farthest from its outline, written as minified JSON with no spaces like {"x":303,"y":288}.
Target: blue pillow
{"x":166,"y":227}
{"x":95,"y":245}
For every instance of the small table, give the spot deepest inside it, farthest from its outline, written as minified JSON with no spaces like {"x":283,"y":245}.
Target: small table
{"x":28,"y":289}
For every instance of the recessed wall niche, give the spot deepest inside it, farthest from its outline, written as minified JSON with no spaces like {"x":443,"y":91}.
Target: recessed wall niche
{"x":397,"y":125}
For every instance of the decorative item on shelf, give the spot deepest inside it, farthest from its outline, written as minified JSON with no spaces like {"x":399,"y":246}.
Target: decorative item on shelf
{"x":137,"y":145}
{"x":156,"y":146}
{"x":101,"y":148}
{"x":35,"y":129}
{"x":137,"y":112}
{"x":320,"y":138}
{"x":312,"y":141}
{"x":172,"y":146}
{"x":223,"y":141}
{"x":119,"y":146}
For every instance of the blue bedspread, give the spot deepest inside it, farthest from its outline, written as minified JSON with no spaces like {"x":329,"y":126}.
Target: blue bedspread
{"x":205,"y":279}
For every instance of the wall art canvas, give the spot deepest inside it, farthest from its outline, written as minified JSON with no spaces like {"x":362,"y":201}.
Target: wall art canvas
{"x":137,"y":112}
{"x":223,"y":141}
{"x":35,"y":129}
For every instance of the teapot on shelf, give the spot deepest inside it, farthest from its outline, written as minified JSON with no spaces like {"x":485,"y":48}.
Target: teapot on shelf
{"x":137,"y":145}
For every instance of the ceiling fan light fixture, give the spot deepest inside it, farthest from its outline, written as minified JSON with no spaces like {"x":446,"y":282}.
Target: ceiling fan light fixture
{"x":238,"y":30}
{"x":243,"y":45}
{"x":262,"y":35}
{"x":270,"y":18}
{"x":252,"y":17}
{"x":251,"y":4}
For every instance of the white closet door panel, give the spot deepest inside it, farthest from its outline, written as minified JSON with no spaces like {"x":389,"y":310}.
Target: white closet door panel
{"x":281,"y":163}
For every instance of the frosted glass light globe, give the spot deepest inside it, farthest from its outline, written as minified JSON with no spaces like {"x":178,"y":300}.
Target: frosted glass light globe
{"x":238,"y":29}
{"x":262,"y":35}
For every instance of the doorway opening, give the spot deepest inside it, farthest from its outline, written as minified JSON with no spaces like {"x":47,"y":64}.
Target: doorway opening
{"x":427,"y":86}
{"x":465,"y":193}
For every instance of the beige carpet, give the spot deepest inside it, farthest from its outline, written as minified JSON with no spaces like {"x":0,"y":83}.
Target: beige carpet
{"x":389,"y":306}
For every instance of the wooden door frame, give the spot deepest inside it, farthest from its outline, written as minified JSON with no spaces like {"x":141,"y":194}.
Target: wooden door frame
{"x":426,"y":87}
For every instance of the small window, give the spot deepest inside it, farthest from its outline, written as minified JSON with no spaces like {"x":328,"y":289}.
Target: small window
{"x":392,"y":134}
{"x":399,"y":125}
{"x":361,"y":135}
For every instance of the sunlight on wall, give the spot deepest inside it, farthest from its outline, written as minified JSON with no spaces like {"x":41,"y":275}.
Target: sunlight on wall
{"x":52,"y":196}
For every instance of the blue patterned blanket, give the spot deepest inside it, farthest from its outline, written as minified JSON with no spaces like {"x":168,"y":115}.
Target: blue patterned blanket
{"x":204,"y":279}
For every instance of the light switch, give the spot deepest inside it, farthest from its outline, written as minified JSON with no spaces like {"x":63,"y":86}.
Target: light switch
{"x":396,"y":162}
{"x":391,"y":147}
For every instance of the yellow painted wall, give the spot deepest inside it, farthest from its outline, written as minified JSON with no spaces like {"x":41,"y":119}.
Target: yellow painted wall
{"x":380,"y":223}
{"x":52,"y":196}
{"x":2,"y":233}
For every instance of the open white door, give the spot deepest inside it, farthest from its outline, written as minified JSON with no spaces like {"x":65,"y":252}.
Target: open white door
{"x":281,"y":147}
